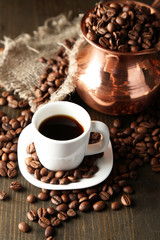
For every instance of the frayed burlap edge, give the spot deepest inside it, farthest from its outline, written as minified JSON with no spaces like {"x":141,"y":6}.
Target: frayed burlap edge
{"x":19,"y":66}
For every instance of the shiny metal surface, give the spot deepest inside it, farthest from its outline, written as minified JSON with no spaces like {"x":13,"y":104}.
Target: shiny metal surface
{"x":117,"y":83}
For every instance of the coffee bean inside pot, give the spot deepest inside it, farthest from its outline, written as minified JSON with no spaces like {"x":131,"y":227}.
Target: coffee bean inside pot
{"x":124,"y":27}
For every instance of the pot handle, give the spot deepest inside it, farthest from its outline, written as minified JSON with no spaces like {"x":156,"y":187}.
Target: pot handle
{"x":111,"y":63}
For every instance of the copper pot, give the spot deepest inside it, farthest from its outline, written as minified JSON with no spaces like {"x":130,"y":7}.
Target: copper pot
{"x":117,"y":83}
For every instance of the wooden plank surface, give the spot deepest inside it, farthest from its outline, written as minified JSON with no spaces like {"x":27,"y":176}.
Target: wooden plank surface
{"x":139,"y":222}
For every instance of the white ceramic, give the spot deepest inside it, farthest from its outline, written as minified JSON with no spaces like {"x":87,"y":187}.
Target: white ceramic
{"x":105,"y":166}
{"x":67,"y":154}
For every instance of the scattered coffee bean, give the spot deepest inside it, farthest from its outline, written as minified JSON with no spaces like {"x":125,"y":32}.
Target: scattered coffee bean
{"x":156,"y":168}
{"x":71,"y":212}
{"x":16,"y":186}
{"x":24,"y":227}
{"x":44,"y":222}
{"x":43,"y":196}
{"x":49,"y":231}
{"x":62,"y":207}
{"x":99,"y":206}
{"x":32,"y":215}
{"x":115,"y":205}
{"x":42,"y":212}
{"x":51,"y":211}
{"x":62,"y":216}
{"x":104,"y":195}
{"x":56,"y":200}
{"x":84,"y":206}
{"x":125,"y":200}
{"x":55,"y":222}
{"x":128,"y":189}
{"x":3,"y":195}
{"x":31,"y":198}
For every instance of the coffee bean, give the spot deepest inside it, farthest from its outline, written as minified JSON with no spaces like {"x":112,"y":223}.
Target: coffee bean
{"x":62,"y":207}
{"x":116,"y":188}
{"x":92,"y":36}
{"x":3,"y":195}
{"x":59,"y":174}
{"x":11,"y":165}
{"x":117,"y":123}
{"x":54,"y":181}
{"x":71,"y":212}
{"x":128,"y":189}
{"x":125,"y":200}
{"x":105,"y":196}
{"x":51,"y":211}
{"x":99,"y":206}
{"x":91,"y":190}
{"x":43,"y":196}
{"x":55,"y":193}
{"x":49,"y":231}
{"x":93,"y":197}
{"x":32,"y":215}
{"x":16,"y":186}
{"x":115,"y":205}
{"x":74,"y":204}
{"x":103,"y":41}
{"x":64,"y":181}
{"x":55,"y":222}
{"x":11,"y":172}
{"x":110,"y":191}
{"x":156,"y":168}
{"x":77,"y":174}
{"x":50,"y":238}
{"x":3,"y":171}
{"x":2,"y":101}
{"x":83,"y":199}
{"x":44,"y":222}
{"x":65,"y":198}
{"x":122,"y":183}
{"x":42,"y":212}
{"x":45,"y":179}
{"x":13,"y":104}
{"x":133,"y":175}
{"x":84,"y":206}
{"x":44,"y":171}
{"x":31,"y":198}
{"x":56,"y":200}
{"x":62,"y":216}
{"x":24,"y":227}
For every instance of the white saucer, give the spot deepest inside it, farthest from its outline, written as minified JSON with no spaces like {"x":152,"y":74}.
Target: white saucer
{"x":105,"y":166}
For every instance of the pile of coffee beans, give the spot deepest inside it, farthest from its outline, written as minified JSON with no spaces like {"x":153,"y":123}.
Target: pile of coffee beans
{"x":86,"y":170}
{"x":10,"y":130}
{"x":54,"y":74}
{"x":8,"y":98}
{"x":123,"y":27}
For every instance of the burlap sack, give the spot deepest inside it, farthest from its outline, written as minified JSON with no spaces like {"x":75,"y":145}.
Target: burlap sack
{"x":19,"y":65}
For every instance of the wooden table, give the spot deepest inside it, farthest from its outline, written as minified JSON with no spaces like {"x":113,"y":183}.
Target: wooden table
{"x":139,"y":222}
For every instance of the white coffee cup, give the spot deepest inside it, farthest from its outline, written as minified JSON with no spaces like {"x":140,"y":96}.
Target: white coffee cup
{"x":67,"y":154}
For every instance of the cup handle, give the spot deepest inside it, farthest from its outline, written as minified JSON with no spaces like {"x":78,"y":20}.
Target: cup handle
{"x":97,"y":126}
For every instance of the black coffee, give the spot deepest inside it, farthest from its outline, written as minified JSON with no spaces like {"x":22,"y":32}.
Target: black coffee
{"x":61,"y":127}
